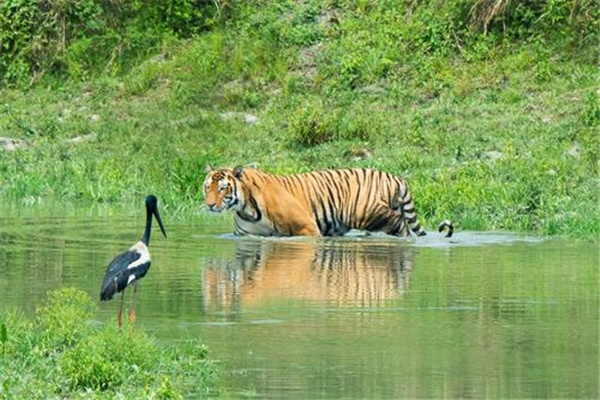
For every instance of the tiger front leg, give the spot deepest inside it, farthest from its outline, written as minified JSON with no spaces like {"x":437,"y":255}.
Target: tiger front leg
{"x":298,"y":227}
{"x":308,"y":231}
{"x":292,"y":220}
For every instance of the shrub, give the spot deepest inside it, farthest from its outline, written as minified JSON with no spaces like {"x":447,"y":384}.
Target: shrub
{"x":92,"y":362}
{"x":77,"y":37}
{"x":525,"y":19}
{"x":67,"y":315}
{"x":107,"y":359}
{"x":313,"y":124}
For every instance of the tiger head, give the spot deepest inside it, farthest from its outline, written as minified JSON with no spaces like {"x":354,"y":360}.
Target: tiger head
{"x":222,"y":189}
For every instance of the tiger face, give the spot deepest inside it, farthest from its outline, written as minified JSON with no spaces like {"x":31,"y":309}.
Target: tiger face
{"x":221,"y":189}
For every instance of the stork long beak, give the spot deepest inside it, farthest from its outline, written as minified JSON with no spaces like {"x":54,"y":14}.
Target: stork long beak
{"x":157,"y":216}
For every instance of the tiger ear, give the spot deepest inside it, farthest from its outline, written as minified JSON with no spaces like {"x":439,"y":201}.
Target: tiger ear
{"x":238,"y":171}
{"x":208,"y":168}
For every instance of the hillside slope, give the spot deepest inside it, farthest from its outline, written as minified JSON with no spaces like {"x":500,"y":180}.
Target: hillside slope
{"x":492,"y":119}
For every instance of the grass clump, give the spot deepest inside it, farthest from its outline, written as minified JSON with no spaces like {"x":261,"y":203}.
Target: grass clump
{"x":312,"y":125}
{"x":315,"y":123}
{"x":102,"y":362}
{"x":66,"y":317}
{"x":63,"y":354}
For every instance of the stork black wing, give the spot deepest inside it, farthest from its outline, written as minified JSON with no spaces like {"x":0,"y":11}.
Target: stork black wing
{"x":115,"y":277}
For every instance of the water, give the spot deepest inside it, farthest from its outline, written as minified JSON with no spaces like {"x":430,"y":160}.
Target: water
{"x":484,"y":315}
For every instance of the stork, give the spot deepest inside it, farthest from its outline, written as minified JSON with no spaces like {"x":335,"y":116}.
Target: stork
{"x":131,"y":265}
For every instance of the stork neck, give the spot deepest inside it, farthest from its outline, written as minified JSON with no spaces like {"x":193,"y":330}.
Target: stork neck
{"x":146,"y":237}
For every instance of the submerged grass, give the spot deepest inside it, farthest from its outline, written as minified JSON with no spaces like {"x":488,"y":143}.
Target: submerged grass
{"x":62,"y":353}
{"x":494,"y":131}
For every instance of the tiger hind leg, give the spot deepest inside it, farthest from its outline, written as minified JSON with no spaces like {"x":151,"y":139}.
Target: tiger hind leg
{"x":389,"y":221}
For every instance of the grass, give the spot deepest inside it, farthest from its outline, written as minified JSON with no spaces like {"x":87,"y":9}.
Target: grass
{"x":63,"y":353}
{"x":496,"y":131}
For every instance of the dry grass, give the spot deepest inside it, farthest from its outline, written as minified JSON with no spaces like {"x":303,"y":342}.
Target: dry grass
{"x":484,"y":12}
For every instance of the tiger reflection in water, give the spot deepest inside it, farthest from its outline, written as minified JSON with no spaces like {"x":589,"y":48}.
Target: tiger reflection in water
{"x":344,"y":273}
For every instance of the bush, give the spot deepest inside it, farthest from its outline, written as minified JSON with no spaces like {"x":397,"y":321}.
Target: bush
{"x":313,"y":124}
{"x":91,"y":362}
{"x":79,"y":37}
{"x":103,"y":360}
{"x":67,"y":316}
{"x":524,"y":19}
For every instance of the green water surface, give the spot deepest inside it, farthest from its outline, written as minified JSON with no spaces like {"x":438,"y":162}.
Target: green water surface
{"x":485,"y":315}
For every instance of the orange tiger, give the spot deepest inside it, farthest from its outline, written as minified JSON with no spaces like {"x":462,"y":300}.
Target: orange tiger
{"x":320,"y":203}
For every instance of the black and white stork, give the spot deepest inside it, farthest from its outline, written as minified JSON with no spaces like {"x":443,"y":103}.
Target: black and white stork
{"x":132,"y":265}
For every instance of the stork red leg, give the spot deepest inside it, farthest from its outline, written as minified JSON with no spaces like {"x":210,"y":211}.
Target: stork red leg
{"x":120,"y":317}
{"x":132,"y":308}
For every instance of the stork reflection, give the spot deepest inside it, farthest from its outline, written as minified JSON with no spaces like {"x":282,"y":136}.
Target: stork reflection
{"x":336,"y":272}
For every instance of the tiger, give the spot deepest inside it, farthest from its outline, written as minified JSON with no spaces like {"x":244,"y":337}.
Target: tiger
{"x":319,"y":203}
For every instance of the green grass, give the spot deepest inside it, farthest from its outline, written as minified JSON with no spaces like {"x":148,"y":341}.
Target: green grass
{"x":63,"y":353}
{"x":495,"y":131}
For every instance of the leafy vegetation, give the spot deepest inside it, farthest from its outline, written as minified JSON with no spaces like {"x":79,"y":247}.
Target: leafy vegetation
{"x":63,"y":353}
{"x":79,"y":38}
{"x":489,"y":108}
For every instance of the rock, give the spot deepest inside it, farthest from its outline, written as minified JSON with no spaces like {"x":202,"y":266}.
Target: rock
{"x":359,"y":153}
{"x":10,"y":144}
{"x":574,"y":152}
{"x":81,"y":138}
{"x":308,"y":63}
{"x":248,"y":118}
{"x":493,"y":155}
{"x":547,"y":118}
